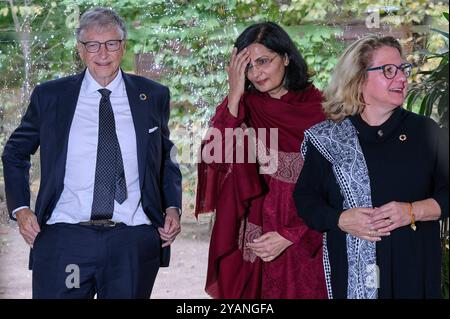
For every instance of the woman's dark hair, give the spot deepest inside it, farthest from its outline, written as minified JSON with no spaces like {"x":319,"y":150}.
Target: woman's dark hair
{"x":273,"y":37}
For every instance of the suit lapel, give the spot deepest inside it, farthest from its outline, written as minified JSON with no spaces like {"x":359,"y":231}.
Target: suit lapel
{"x":138,"y":99}
{"x":67,"y":102}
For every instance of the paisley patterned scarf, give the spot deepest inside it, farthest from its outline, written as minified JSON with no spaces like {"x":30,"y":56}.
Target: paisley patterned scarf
{"x":338,"y":143}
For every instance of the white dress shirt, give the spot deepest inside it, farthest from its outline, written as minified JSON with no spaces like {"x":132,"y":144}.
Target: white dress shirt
{"x":75,"y":203}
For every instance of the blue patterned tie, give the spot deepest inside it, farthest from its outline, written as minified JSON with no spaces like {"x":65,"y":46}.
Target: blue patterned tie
{"x":110,"y":181}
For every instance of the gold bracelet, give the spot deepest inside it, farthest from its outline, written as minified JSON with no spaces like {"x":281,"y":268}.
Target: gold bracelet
{"x":411,"y":216}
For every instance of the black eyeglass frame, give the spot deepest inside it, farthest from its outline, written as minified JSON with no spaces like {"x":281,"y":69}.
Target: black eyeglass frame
{"x":401,"y":67}
{"x":100,"y":45}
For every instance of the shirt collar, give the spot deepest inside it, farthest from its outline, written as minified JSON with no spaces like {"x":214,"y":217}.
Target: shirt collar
{"x":91,"y":86}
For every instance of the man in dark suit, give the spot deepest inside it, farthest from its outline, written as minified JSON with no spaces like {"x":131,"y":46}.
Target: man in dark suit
{"x":109,"y":201}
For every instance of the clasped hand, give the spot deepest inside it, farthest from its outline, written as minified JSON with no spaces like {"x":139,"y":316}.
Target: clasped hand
{"x":373,"y":223}
{"x":171,"y":228}
{"x":269,"y":246}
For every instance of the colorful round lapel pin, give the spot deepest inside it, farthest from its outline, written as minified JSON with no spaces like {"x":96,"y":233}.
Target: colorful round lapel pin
{"x":143,"y":96}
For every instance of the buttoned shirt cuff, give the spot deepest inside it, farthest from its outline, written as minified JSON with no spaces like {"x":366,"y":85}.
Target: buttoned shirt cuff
{"x":17,"y":209}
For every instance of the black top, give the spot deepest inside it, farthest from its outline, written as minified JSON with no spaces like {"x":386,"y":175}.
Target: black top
{"x":405,"y":171}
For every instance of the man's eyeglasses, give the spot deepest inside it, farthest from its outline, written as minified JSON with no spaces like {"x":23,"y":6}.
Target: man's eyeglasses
{"x":262,"y":62}
{"x":390,"y":70}
{"x":94,"y":46}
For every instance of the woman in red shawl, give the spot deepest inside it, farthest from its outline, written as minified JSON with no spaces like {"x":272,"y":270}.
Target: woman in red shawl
{"x":259,"y":247}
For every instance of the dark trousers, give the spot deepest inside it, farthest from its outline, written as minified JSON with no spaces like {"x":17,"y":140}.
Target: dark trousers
{"x":75,"y":261}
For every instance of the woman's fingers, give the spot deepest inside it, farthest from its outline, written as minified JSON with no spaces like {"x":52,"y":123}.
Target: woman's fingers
{"x":243,"y":61}
{"x":258,"y":248}
{"x":380,"y":214}
{"x":369,"y":238}
{"x":232,"y":59}
{"x":382,"y":224}
{"x":372,"y":234}
{"x":238,"y":61}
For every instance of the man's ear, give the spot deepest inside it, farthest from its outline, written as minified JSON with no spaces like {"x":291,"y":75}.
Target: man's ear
{"x":80,"y":49}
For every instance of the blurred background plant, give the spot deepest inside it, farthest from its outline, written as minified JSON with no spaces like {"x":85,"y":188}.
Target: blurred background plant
{"x":430,"y":93}
{"x":185,"y":44}
{"x":432,"y":89}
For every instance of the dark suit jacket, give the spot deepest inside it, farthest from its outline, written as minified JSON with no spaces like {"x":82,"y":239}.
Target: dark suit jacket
{"x":46,"y":124}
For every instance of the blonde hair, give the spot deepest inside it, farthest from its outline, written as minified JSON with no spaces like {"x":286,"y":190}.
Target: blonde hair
{"x":343,"y":95}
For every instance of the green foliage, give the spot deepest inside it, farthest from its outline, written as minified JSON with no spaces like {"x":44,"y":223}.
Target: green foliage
{"x":433,"y":89}
{"x":44,"y":29}
{"x":190,"y":40}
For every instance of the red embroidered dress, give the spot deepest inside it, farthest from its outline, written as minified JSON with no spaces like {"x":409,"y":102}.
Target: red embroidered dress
{"x":248,"y":203}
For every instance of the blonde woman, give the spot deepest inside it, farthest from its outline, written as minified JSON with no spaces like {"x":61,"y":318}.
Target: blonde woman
{"x":375,"y":180}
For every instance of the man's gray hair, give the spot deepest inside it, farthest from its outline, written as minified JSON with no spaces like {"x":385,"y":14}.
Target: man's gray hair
{"x":100,"y":18}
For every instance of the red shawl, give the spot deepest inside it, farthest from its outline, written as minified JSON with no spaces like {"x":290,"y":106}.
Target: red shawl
{"x":248,"y":203}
